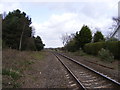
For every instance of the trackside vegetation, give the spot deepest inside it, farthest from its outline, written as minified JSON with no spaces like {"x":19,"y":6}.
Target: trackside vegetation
{"x":106,"y":55}
{"x":79,"y":39}
{"x":18,"y":33}
{"x":94,"y":48}
{"x":95,"y":45}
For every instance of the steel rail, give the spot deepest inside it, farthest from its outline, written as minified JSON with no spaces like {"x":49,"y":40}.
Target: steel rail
{"x":108,"y":78}
{"x":77,"y":80}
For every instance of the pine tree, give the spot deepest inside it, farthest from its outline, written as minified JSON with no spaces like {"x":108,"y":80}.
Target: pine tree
{"x":38,"y":43}
{"x":16,"y":29}
{"x":98,"y":36}
{"x":84,"y":36}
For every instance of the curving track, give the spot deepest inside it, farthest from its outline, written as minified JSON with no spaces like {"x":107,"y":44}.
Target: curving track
{"x":86,"y":77}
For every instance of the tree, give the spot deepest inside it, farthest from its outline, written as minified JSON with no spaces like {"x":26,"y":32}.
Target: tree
{"x":98,"y":36}
{"x":78,"y":40}
{"x":71,"y":46}
{"x":38,"y":43}
{"x":117,"y":21}
{"x":16,"y":29}
{"x":116,"y":28}
{"x":30,"y":45}
{"x":67,"y":38}
{"x":84,"y":36}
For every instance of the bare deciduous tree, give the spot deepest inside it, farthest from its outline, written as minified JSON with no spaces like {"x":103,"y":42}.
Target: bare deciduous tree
{"x":117,"y":21}
{"x":116,"y":26}
{"x":113,"y":28}
{"x":66,"y":38}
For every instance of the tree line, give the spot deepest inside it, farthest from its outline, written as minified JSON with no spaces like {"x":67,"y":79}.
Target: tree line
{"x":78,"y":40}
{"x":17,"y":32}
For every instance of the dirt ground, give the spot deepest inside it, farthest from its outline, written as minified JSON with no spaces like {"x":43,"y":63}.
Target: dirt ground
{"x":37,"y":70}
{"x":46,"y":73}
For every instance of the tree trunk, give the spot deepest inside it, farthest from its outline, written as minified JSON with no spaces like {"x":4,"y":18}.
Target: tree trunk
{"x":21,"y":38}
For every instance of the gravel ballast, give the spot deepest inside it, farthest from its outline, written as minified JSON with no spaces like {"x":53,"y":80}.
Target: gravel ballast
{"x":112,"y":73}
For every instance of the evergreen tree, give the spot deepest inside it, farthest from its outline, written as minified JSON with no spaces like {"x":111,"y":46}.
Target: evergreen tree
{"x":16,"y":29}
{"x":98,"y":36}
{"x":39,"y":44}
{"x":84,"y":36}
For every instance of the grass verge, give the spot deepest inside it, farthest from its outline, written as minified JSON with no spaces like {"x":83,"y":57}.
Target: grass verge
{"x":14,"y":64}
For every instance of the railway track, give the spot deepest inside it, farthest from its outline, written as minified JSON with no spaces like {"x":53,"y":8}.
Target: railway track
{"x":86,"y":77}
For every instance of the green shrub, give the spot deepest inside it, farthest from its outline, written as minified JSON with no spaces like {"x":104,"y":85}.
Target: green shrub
{"x":106,"y":55}
{"x":94,"y":48}
{"x":71,"y":46}
{"x":114,"y":47}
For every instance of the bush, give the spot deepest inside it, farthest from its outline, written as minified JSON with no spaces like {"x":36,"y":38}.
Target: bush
{"x":114,"y":47}
{"x":105,"y":55}
{"x":71,"y":46}
{"x":94,"y":48}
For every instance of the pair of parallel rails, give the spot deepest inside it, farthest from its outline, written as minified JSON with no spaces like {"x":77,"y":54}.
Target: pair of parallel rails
{"x":87,"y":78}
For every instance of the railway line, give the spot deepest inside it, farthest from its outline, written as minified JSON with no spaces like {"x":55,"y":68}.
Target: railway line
{"x":86,"y":77}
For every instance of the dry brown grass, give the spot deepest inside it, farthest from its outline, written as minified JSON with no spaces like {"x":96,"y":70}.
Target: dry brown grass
{"x":14,"y":63}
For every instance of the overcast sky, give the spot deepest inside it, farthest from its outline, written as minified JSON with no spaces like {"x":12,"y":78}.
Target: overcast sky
{"x":53,"y":19}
